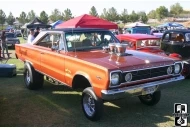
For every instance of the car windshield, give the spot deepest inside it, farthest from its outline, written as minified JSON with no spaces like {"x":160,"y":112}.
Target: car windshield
{"x":89,"y":40}
{"x":148,"y":43}
{"x":10,"y":35}
{"x":187,"y":37}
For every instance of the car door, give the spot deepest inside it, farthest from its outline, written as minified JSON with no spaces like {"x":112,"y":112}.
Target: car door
{"x":52,"y":59}
{"x":165,"y":42}
{"x":58,"y":62}
{"x":172,"y":42}
{"x":186,"y":46}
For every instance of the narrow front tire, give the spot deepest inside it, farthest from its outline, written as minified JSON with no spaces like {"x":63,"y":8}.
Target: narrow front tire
{"x":92,"y":106}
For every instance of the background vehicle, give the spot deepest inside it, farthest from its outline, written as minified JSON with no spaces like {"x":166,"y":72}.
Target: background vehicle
{"x":18,"y":33}
{"x":178,"y":41}
{"x":11,"y":39}
{"x":145,"y":43}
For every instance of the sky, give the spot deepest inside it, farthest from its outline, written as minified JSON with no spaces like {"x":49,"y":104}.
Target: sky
{"x":80,"y":7}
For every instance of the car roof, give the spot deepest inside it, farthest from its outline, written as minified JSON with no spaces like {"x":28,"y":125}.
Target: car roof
{"x":138,"y":36}
{"x":78,"y":29}
{"x":178,"y":30}
{"x":9,"y":33}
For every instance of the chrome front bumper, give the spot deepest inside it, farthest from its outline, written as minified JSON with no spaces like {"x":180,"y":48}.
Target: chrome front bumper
{"x":137,"y":89}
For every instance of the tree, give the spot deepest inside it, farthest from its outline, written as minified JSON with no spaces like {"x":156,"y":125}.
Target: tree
{"x":161,"y":12}
{"x":152,"y":14}
{"x":44,"y":17}
{"x":67,"y":14}
{"x":31,"y":15}
{"x":133,"y":17}
{"x":10,"y":19}
{"x":2,"y":17}
{"x":112,"y":15}
{"x":124,"y":17}
{"x":104,"y":15}
{"x":22,"y":18}
{"x":56,"y":15}
{"x":143,"y":17}
{"x":176,"y":9}
{"x":93,"y":12}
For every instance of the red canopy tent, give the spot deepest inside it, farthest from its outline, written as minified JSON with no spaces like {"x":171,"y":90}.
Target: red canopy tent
{"x":87,"y":21}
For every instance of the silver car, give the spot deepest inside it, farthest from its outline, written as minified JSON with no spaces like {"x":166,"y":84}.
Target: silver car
{"x":11,"y":39}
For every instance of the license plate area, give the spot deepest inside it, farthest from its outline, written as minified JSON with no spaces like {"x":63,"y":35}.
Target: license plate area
{"x":149,"y":90}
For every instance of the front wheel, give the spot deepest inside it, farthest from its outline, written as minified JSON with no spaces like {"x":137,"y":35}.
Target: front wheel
{"x":186,"y":71}
{"x":151,"y":99}
{"x":92,"y":106}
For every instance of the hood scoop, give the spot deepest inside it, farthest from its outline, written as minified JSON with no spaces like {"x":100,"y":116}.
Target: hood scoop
{"x":117,"y":49}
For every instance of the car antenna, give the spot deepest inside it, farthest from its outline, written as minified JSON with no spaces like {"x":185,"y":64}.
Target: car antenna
{"x":118,"y":34}
{"x":74,"y":44}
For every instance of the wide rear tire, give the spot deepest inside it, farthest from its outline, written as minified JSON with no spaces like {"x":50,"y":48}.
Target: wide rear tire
{"x":32,"y":79}
{"x":150,"y":99}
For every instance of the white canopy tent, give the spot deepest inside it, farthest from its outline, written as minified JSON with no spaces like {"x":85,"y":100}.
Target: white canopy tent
{"x":25,"y":30}
{"x":136,"y":24}
{"x":25,"y":26}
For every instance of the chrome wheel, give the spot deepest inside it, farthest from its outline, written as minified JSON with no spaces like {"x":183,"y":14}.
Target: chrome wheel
{"x":92,"y":106}
{"x":89,"y":105}
{"x":27,"y":77}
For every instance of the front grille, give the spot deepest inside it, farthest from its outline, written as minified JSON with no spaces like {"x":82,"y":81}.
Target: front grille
{"x":147,"y":73}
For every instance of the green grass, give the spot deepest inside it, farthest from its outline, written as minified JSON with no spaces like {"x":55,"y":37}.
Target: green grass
{"x":22,"y":40}
{"x":59,"y":106}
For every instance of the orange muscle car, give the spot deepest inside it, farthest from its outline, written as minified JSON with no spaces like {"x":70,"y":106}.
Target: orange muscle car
{"x":94,"y":60}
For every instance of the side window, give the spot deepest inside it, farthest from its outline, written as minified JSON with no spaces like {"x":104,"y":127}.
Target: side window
{"x":187,"y":37}
{"x":166,"y":37}
{"x":50,"y":41}
{"x":178,"y":37}
{"x":129,"y":43}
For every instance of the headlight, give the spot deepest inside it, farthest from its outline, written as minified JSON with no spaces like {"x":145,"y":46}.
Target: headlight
{"x":177,"y":68}
{"x":169,"y":70}
{"x":115,"y":79}
{"x":128,"y":77}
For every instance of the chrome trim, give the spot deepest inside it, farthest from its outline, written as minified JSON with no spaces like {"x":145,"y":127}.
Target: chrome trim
{"x":143,"y":69}
{"x":136,"y":89}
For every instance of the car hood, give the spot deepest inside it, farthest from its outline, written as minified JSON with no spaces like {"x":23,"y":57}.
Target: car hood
{"x":135,"y":59}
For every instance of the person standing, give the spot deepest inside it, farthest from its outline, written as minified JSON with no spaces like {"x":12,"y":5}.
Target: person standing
{"x":0,"y":49}
{"x":4,"y":45}
{"x":31,"y":36}
{"x":37,"y":32}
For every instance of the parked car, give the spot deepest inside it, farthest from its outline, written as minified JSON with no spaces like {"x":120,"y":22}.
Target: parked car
{"x":18,"y":33}
{"x":75,"y":57}
{"x":144,"y":42}
{"x":11,"y":39}
{"x":150,"y":44}
{"x":178,"y":41}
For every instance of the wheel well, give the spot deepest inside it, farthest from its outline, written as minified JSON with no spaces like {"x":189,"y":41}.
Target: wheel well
{"x":80,"y":81}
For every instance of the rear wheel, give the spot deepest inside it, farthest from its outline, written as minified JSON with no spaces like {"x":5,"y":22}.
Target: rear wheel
{"x":151,"y":99}
{"x":32,"y":79}
{"x":92,"y":106}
